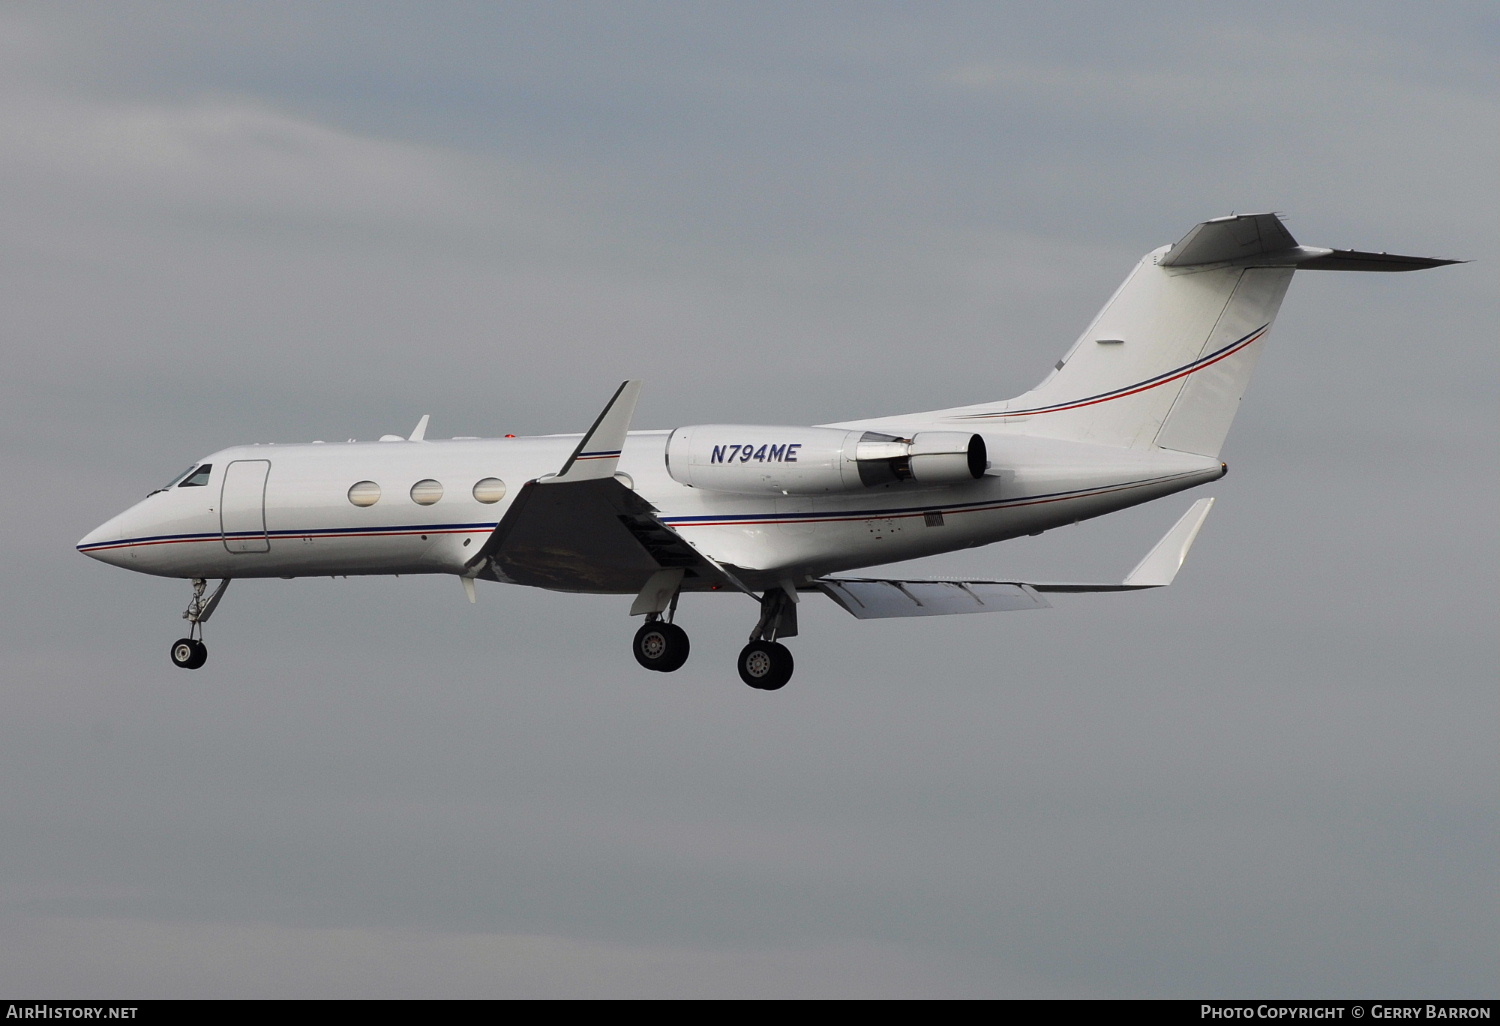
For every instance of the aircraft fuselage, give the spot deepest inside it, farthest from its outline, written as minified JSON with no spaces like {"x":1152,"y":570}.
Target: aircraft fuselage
{"x":286,"y":510}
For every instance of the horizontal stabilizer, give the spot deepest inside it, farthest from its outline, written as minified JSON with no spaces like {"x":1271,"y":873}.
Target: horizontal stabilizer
{"x":1261,"y":240}
{"x":1354,"y":260}
{"x":1230,"y":238}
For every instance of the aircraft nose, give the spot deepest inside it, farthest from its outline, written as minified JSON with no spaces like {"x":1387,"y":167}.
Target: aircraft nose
{"x":102,"y":543}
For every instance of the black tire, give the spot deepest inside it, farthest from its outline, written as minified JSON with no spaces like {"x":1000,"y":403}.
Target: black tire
{"x":200,"y":655}
{"x":661,"y":646}
{"x":766,"y":665}
{"x":184,"y":653}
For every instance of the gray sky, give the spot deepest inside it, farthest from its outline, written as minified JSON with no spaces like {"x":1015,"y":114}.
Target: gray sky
{"x":229,"y":223}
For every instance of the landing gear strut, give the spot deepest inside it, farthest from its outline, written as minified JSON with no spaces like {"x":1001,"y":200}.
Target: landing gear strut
{"x":765,"y":663}
{"x":190,"y":652}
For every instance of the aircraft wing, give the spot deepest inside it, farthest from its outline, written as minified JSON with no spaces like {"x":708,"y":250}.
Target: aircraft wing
{"x":870,"y":598}
{"x":582,"y":529}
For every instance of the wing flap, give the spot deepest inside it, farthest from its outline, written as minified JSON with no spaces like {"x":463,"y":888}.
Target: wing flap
{"x":874,"y":598}
{"x":871,"y":598}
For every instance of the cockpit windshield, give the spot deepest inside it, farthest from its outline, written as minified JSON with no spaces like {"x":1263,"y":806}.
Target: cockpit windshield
{"x":174,"y":480}
{"x":195,"y":475}
{"x":198,"y":477}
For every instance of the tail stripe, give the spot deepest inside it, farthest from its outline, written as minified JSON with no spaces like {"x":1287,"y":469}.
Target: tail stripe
{"x":1142,"y":386}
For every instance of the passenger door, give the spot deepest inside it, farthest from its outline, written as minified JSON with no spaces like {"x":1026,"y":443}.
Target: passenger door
{"x":242,"y":506}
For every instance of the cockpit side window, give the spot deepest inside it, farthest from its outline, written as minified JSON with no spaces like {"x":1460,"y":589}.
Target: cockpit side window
{"x":198,"y":477}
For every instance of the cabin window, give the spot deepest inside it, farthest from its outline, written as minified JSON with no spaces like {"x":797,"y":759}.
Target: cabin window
{"x":365,"y":493}
{"x":490,"y":489}
{"x":198,"y":478}
{"x":425,"y":493}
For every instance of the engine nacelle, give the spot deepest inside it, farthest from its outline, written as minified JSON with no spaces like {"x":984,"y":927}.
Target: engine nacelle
{"x":777,"y":460}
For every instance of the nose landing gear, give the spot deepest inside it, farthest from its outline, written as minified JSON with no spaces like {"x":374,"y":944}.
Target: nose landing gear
{"x":190,"y":653}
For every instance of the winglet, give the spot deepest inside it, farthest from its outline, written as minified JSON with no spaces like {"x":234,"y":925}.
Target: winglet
{"x":1162,"y":563}
{"x":598,"y":452}
{"x":419,"y":432}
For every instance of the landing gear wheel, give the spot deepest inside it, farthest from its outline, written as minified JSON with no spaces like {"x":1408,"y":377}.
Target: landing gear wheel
{"x":661,"y":646}
{"x":189,"y":653}
{"x":766,"y":665}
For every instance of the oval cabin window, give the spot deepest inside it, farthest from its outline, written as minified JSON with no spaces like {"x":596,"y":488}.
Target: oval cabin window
{"x":425,"y":493}
{"x":491,"y":489}
{"x":366,"y":493}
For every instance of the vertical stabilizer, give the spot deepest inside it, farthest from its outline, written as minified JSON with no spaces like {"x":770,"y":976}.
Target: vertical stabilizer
{"x":1166,"y":361}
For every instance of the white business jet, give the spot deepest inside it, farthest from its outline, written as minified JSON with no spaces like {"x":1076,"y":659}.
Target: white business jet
{"x":1137,"y":409}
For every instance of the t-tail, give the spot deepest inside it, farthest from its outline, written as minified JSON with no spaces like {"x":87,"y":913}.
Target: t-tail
{"x":1165,"y":363}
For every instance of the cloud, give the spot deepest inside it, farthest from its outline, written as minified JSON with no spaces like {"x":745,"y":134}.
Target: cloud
{"x":234,"y":159}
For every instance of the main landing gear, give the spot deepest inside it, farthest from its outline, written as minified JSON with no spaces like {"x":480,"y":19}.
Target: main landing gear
{"x":190,"y":652}
{"x":661,"y":646}
{"x":764,"y":664}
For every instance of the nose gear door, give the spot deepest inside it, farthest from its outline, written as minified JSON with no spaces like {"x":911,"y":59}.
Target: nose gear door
{"x":242,"y":506}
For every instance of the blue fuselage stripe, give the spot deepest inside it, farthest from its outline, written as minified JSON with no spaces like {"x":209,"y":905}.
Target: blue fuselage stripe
{"x":716,"y":520}
{"x":314,"y":532}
